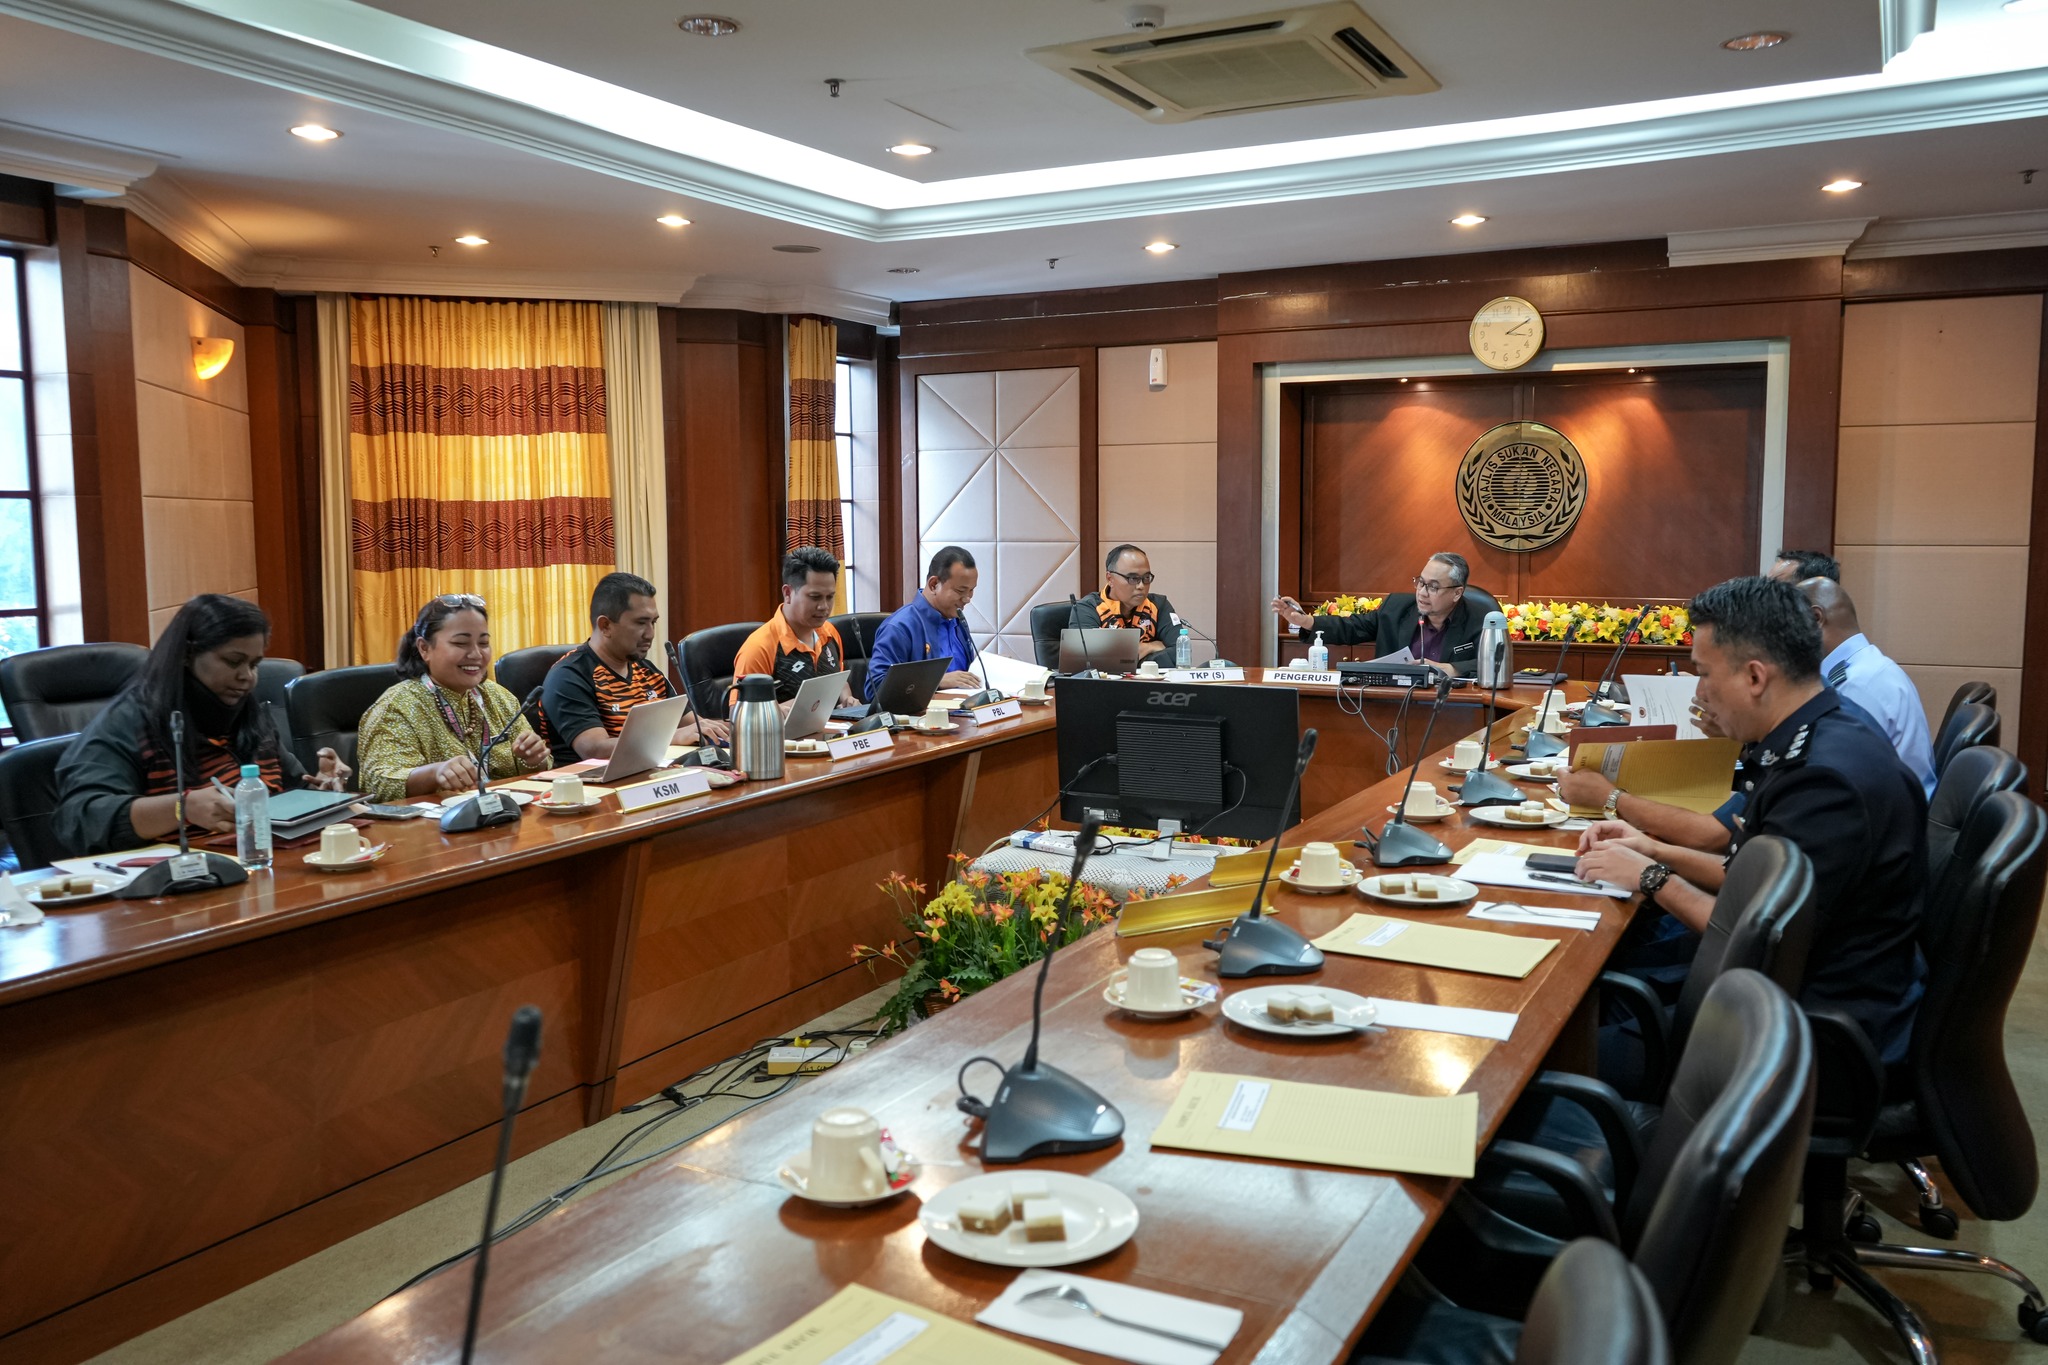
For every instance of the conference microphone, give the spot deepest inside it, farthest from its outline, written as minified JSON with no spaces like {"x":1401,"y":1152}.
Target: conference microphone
{"x":185,"y":870}
{"x":485,"y":808}
{"x":1400,"y":844}
{"x":1038,"y":1110}
{"x":1482,"y":788}
{"x":990,"y":694}
{"x":1595,"y":712}
{"x":1537,"y":744}
{"x":1251,"y":944}
{"x":1091,"y":671}
{"x":522,"y":1050}
{"x":1218,"y":661}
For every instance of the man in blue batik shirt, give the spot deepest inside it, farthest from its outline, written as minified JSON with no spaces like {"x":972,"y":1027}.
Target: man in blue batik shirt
{"x":1859,"y":670}
{"x":933,"y":625}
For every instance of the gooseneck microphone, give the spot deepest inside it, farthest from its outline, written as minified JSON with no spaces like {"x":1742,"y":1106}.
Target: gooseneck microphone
{"x":1073,"y":610}
{"x":1537,"y":744}
{"x":484,"y":808}
{"x":186,"y":870}
{"x":990,"y":694}
{"x":1400,"y":844}
{"x":1596,"y":712}
{"x":522,"y":1050}
{"x":1251,"y":944}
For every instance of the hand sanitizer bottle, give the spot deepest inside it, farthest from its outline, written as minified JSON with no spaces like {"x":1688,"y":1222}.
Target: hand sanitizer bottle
{"x":1319,"y":655}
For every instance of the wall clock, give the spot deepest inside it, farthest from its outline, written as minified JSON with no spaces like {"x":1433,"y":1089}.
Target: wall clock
{"x":1507,"y":333}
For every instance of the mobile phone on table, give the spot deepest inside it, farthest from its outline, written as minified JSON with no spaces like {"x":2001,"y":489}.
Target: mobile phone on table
{"x":1566,"y":864}
{"x":381,"y":812}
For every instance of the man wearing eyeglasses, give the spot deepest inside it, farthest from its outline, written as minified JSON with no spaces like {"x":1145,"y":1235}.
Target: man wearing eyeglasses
{"x":1127,"y":602}
{"x":1434,"y":622}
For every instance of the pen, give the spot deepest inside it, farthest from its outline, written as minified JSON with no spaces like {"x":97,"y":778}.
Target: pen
{"x":221,"y":787}
{"x":1563,"y":881}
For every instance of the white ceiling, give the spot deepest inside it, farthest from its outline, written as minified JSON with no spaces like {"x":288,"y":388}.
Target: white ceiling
{"x":572,"y":215}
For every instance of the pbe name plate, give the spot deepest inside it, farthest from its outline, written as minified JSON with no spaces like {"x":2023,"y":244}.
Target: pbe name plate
{"x":867,"y":742}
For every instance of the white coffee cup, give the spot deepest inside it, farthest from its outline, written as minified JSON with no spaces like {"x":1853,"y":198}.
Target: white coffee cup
{"x":1555,"y":723}
{"x":339,"y":843}
{"x":1319,"y":865}
{"x":938,"y":715}
{"x":1034,"y":688}
{"x":846,"y":1156}
{"x":1422,"y":798}
{"x":1467,"y":754}
{"x":567,"y":791}
{"x":1553,"y":700}
{"x":1152,"y":980}
{"x":1149,"y":669}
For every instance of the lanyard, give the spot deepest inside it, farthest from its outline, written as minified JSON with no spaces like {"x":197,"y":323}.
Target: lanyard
{"x":448,"y":717}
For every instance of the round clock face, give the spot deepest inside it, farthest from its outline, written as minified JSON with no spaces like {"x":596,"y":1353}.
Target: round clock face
{"x":1507,"y":333}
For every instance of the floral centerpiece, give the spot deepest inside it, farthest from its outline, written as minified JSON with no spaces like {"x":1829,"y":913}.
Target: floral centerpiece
{"x":1665,"y":625}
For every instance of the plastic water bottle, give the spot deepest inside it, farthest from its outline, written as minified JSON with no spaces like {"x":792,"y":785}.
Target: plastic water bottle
{"x":1184,"y":651}
{"x":1319,"y":655}
{"x":252,"y":818}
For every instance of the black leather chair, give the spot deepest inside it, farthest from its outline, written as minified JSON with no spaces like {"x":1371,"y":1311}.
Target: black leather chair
{"x":28,"y":798}
{"x":1971,"y":723}
{"x":1971,"y":775}
{"x":525,"y":669}
{"x":58,"y":691}
{"x":1048,"y":619}
{"x":1975,"y":691}
{"x":707,"y":659}
{"x":857,"y":633}
{"x":273,"y":676}
{"x":1482,"y":601}
{"x":325,"y":709}
{"x":1591,"y":1308}
{"x":1959,"y":1101}
{"x":1703,"y":1216}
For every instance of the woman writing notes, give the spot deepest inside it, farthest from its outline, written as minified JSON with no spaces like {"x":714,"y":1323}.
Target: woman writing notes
{"x":118,"y":782}
{"x":422,"y":736}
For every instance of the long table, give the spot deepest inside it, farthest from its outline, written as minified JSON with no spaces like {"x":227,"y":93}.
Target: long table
{"x":703,"y":1256}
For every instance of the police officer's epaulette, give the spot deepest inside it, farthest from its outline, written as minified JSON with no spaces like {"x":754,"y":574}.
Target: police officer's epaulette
{"x":1795,"y":752}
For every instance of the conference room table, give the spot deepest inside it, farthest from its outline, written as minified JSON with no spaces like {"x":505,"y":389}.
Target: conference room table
{"x":704,"y":1255}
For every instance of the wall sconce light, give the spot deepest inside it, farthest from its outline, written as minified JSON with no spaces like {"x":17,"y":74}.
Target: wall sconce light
{"x":210,"y":355}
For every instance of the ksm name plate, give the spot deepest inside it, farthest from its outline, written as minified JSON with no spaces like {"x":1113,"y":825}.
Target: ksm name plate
{"x":675,"y":787}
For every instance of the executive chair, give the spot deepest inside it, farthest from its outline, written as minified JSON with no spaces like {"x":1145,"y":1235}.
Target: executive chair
{"x":1958,"y":1099}
{"x":1591,"y":1308}
{"x":857,"y":633}
{"x":28,"y":798}
{"x":273,"y":676}
{"x":1048,"y":619}
{"x":1970,"y":724}
{"x":325,"y":709}
{"x":58,"y":691}
{"x":1971,"y":775}
{"x":707,"y":662}
{"x":524,"y":670}
{"x":1976,"y":691}
{"x":1703,"y":1215}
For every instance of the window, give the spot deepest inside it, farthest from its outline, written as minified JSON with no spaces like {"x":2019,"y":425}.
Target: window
{"x":22,"y":623}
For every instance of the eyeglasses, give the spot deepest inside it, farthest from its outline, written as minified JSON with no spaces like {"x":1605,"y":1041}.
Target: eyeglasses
{"x":461,"y":599}
{"x":1431,"y":585}
{"x":1143,"y":580}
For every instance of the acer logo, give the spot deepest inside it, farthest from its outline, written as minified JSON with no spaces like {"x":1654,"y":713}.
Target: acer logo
{"x":1170,"y":699}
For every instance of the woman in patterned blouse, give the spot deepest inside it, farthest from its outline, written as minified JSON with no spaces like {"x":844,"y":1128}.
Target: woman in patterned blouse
{"x":421,"y":737}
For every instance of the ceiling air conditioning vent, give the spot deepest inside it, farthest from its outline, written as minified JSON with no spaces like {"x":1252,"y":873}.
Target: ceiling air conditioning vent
{"x":1318,"y":54}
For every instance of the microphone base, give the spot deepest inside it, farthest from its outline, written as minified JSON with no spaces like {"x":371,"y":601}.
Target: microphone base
{"x":988,"y":696}
{"x":469,"y":814}
{"x":213,"y":871}
{"x":1263,"y":947}
{"x":1543,"y":746}
{"x":1046,"y":1112}
{"x":1403,"y":845}
{"x":1484,"y":789}
{"x":1595,"y":714}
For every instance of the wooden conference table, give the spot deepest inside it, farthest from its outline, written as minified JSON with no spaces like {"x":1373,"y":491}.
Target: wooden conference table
{"x":704,"y":1256}
{"x":196,"y":1092}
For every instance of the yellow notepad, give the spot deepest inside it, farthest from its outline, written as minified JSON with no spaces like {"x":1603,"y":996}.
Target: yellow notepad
{"x":885,"y":1328}
{"x":1694,"y":774}
{"x":1330,"y":1124}
{"x":1437,"y":945}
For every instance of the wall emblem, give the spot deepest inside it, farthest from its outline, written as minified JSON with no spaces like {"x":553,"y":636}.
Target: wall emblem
{"x":1521,"y":486}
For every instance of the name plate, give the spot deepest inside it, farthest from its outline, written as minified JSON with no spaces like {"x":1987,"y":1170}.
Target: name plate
{"x":1002,"y":710}
{"x":868,"y":742}
{"x":687,"y":783}
{"x":489,"y":804}
{"x":1301,"y":677}
{"x":1188,"y":675}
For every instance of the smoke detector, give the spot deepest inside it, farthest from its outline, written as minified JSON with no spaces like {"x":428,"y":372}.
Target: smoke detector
{"x":1145,"y":16}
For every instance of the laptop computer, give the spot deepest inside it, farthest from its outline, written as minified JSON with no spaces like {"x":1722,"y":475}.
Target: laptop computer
{"x":907,"y":688}
{"x":813,"y":705}
{"x":1114,"y":650}
{"x":643,"y":744}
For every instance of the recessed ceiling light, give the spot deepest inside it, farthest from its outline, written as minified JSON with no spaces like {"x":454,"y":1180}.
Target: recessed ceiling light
{"x":903,"y":270}
{"x":1469,"y":219}
{"x":1754,"y":42}
{"x":911,"y":149}
{"x":799,"y":250}
{"x":673,"y":220}
{"x":1842,"y":186}
{"x":708,"y":25}
{"x":471,"y":239}
{"x":313,"y":132}
{"x":1160,"y":248}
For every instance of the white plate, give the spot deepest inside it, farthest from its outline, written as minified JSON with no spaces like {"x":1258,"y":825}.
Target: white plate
{"x":1454,"y":892}
{"x":1034,"y":701}
{"x":1521,"y":770}
{"x":798,"y":1168}
{"x":1351,"y":1012}
{"x":363,"y":860}
{"x":946,"y":729}
{"x":1448,"y":766}
{"x":104,"y":884}
{"x":547,"y":805}
{"x":1099,"y":1220}
{"x":1497,"y":815}
{"x":1347,"y":877}
{"x":1443,"y":808}
{"x":1193,"y":995}
{"x":805,"y":748}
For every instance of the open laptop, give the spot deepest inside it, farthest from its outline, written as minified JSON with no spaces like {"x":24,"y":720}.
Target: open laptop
{"x":650,"y":729}
{"x":813,"y":705}
{"x":907,"y":688}
{"x":1113,"y":650}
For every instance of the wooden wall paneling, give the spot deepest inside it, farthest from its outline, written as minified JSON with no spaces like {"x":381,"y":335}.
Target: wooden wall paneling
{"x":25,"y":212}
{"x":2033,"y":741}
{"x":948,"y":797}
{"x":889,"y":458}
{"x":2022,"y":270}
{"x":277,"y":473}
{"x":1120,"y":315}
{"x":606,"y":949}
{"x":1293,"y":434}
{"x":724,"y":546}
{"x":304,"y":360}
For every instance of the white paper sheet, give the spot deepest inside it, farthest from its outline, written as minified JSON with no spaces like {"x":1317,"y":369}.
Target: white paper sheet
{"x":1495,"y":1024}
{"x":1664,"y":699}
{"x":1008,"y":675}
{"x":1506,"y":869}
{"x":1550,"y":916}
{"x":1174,"y":1313}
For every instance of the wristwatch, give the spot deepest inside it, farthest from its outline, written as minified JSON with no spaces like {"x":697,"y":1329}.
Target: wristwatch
{"x":1653,"y":879}
{"x":1608,"y":807}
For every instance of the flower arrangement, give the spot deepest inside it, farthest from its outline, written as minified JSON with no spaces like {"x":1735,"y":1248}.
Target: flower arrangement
{"x":979,"y":929}
{"x":1665,"y":625}
{"x":1344,"y":604}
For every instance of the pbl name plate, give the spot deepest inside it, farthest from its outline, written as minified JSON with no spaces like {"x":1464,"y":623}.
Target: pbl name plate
{"x":1189,"y":675}
{"x":868,"y":742}
{"x":687,"y":783}
{"x":1002,"y":710}
{"x":1301,"y":677}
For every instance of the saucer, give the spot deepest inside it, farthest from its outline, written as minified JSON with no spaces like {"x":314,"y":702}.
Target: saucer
{"x":795,"y":1170}
{"x":548,"y":805}
{"x":1036,"y":701}
{"x":363,"y":859}
{"x":1448,"y":766}
{"x":946,"y":729}
{"x":1347,"y":877}
{"x":103,"y":884}
{"x":1443,"y":808}
{"x":1193,"y":995}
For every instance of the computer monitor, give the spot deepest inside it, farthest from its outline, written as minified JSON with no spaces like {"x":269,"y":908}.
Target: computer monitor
{"x":1218,"y":758}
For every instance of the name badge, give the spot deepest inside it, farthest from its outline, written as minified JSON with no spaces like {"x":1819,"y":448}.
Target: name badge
{"x":1002,"y":710}
{"x":489,"y":803}
{"x":687,"y":783}
{"x":867,"y":742}
{"x":1187,"y":675}
{"x":1301,"y":677}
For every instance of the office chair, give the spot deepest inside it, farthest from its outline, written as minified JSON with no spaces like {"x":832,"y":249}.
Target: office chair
{"x":1970,"y":724}
{"x":1048,"y":619}
{"x":1976,"y":691}
{"x":1959,"y":1101}
{"x":58,"y":691}
{"x":273,"y":676}
{"x":325,"y":709}
{"x":707,"y":658}
{"x":1971,"y":775}
{"x":28,"y":798}
{"x":521,"y":671}
{"x":857,"y":633}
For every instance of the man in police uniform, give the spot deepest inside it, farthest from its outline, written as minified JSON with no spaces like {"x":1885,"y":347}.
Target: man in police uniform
{"x":1435,"y":622}
{"x":1812,"y":774}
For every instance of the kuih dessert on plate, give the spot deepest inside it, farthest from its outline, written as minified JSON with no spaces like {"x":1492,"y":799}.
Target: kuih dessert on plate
{"x":1044,"y":1221}
{"x":1024,"y":1189}
{"x":986,"y":1213}
{"x":1312,"y":1007}
{"x":1283,"y":1007}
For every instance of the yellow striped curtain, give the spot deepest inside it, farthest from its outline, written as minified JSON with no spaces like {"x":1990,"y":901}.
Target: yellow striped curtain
{"x":813,"y":447}
{"x":478,"y":464}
